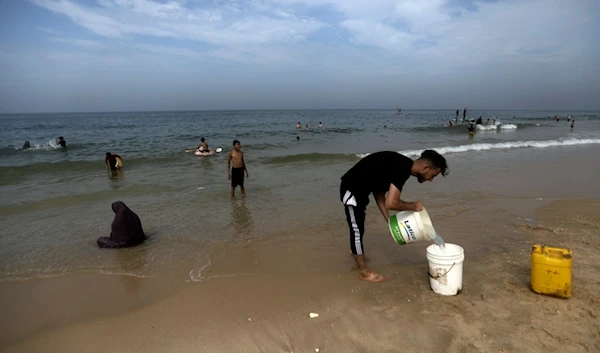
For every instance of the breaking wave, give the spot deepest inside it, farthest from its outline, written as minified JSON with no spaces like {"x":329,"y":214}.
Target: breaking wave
{"x":500,"y":146}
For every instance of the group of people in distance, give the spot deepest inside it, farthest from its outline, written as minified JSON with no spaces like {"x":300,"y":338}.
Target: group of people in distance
{"x":299,"y":126}
{"x":59,"y":142}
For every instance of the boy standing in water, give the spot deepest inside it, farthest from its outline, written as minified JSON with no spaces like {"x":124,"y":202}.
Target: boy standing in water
{"x":236,"y":174}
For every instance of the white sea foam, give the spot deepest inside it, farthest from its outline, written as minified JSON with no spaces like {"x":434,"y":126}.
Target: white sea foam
{"x":499,"y":146}
{"x":486,"y":127}
{"x":496,"y":127}
{"x":197,"y":274}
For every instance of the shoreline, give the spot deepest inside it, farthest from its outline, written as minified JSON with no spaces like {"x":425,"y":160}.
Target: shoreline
{"x":276,"y":284}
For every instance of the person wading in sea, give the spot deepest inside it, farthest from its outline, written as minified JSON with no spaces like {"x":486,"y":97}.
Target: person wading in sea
{"x":380,"y":173}
{"x":236,"y":174}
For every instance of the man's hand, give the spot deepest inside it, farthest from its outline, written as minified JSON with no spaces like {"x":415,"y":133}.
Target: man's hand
{"x":229,"y":176}
{"x":418,"y":206}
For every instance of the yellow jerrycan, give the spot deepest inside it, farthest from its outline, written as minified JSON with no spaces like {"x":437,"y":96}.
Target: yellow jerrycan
{"x":551,"y":271}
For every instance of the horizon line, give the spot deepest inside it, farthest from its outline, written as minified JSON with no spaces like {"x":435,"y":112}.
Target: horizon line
{"x":287,"y":109}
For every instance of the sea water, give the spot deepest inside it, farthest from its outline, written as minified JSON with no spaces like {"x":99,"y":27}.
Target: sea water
{"x":291,"y":180}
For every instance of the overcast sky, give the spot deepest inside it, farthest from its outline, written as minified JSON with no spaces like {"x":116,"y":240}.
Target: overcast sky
{"x":124,"y":55}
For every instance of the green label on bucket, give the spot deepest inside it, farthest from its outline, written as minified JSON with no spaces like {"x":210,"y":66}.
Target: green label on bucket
{"x":396,"y":230}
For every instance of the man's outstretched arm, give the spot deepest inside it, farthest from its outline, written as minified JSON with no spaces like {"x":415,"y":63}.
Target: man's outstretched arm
{"x":394,"y":202}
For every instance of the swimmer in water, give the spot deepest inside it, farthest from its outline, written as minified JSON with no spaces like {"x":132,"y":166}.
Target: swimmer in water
{"x":26,"y":145}
{"x":111,"y":160}
{"x":61,"y":142}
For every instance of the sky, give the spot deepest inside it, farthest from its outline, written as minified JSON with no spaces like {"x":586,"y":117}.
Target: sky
{"x":142,"y":55}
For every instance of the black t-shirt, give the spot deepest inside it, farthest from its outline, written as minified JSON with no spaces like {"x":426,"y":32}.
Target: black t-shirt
{"x":112,"y":160}
{"x":375,"y":173}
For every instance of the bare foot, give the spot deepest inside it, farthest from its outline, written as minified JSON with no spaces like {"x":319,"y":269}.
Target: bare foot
{"x":372,"y":277}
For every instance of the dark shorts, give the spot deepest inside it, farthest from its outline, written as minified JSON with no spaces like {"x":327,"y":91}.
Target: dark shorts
{"x":237,"y":177}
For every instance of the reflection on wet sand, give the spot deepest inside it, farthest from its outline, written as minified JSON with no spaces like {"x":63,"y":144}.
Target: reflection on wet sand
{"x":242,"y":220}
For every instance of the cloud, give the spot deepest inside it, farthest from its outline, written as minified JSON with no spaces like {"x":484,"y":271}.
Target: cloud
{"x":104,"y":25}
{"x":168,"y":50}
{"x":85,"y":43}
{"x":51,"y":31}
{"x":378,"y":34}
{"x":449,"y":33}
{"x":167,"y":10}
{"x":171,"y":19}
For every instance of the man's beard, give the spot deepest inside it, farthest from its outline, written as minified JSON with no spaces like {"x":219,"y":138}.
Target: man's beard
{"x":420,"y":178}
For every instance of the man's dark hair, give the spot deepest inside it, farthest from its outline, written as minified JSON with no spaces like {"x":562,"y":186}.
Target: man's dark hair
{"x":235,"y":141}
{"x":202,"y":139}
{"x":437,"y":160}
{"x":108,"y":154}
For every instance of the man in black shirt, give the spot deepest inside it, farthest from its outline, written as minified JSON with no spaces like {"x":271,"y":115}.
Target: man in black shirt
{"x":380,"y":173}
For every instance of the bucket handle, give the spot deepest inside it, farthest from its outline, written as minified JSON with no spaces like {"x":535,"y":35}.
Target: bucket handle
{"x":443,"y":274}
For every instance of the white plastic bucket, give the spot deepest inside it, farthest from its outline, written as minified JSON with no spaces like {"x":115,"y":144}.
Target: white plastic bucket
{"x":410,"y":226}
{"x":446,"y":268}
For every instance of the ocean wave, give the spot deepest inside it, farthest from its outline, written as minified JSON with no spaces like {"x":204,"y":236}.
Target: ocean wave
{"x":75,"y":166}
{"x":486,"y":127}
{"x":576,"y":116}
{"x":309,"y":158}
{"x":461,"y":127}
{"x":84,"y":198}
{"x":499,"y":146}
{"x":498,"y":126}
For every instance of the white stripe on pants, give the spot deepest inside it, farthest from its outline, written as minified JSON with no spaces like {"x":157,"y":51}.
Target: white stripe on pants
{"x":357,"y":242}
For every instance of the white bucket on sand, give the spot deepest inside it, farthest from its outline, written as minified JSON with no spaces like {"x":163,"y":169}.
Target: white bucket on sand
{"x":445,"y":268}
{"x":410,"y":226}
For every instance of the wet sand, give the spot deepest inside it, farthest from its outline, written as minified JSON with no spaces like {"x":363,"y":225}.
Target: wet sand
{"x":257,"y":297}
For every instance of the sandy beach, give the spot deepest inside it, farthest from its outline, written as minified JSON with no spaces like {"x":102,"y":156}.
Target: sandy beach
{"x":120,"y":234}
{"x":267,"y":309}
